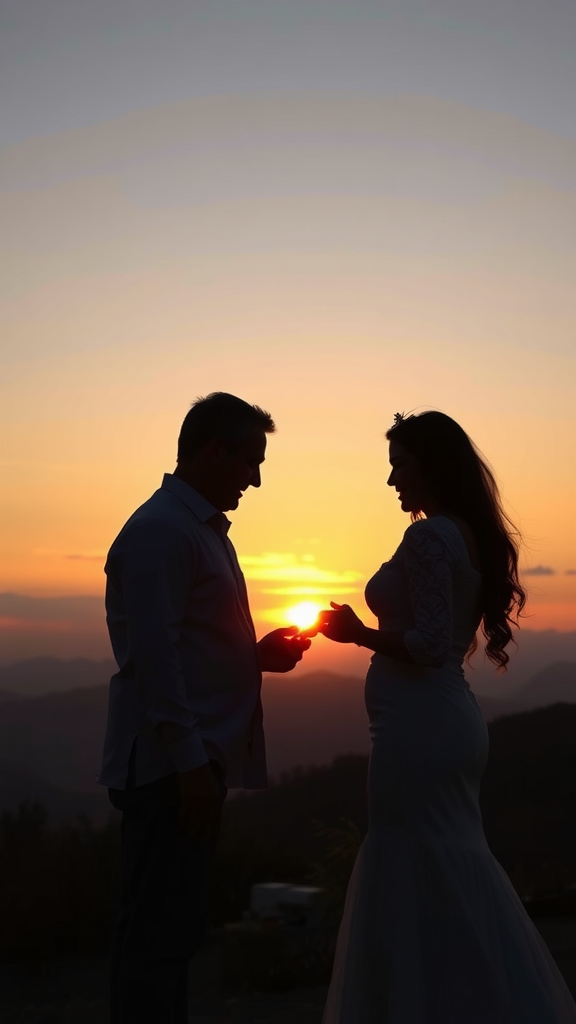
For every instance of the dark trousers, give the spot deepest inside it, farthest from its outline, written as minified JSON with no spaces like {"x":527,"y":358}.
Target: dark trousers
{"x":162,"y":914}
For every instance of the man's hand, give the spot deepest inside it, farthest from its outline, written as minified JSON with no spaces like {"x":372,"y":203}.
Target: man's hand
{"x":282,"y":649}
{"x":200,"y":801}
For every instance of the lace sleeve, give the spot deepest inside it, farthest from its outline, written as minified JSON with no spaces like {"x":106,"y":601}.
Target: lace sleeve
{"x":429,"y":571}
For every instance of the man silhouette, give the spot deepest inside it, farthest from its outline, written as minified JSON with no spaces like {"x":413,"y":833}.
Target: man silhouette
{"x":184,"y":711}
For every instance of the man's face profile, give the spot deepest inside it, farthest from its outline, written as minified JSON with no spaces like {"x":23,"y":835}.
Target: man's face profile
{"x":238,"y":467}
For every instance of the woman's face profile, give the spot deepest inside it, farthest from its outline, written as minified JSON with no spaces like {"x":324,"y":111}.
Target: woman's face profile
{"x":406,"y":477}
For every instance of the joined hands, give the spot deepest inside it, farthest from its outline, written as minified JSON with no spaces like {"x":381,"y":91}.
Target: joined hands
{"x":339,"y":623}
{"x":282,"y":649}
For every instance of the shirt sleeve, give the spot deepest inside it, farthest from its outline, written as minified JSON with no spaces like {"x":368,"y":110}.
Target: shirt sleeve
{"x":155,"y":571}
{"x":429,"y":572}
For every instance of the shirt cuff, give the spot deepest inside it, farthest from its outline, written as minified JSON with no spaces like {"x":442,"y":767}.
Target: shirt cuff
{"x":187,"y":753}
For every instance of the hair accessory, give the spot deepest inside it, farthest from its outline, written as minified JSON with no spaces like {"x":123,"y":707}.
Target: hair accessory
{"x":398,"y":417}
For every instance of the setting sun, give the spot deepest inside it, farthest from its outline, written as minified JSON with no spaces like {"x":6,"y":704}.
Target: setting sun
{"x":303,"y":614}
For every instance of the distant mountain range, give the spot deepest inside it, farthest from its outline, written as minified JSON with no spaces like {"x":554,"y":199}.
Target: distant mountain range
{"x":33,"y":677}
{"x":552,"y":685}
{"x":51,"y":744}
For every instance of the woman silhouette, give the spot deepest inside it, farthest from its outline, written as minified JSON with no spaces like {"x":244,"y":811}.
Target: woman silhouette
{"x":433,"y":931}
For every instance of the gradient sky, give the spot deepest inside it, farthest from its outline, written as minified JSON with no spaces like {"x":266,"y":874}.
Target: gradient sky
{"x":337,"y":211}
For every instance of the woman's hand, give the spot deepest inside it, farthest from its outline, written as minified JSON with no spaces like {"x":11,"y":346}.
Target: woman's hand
{"x":341,"y":624}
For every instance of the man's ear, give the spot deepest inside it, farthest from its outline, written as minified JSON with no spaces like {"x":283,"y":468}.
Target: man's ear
{"x":216,"y":450}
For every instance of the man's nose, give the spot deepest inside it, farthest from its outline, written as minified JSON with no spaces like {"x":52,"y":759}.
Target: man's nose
{"x":390,"y":481}
{"x":256,"y":478}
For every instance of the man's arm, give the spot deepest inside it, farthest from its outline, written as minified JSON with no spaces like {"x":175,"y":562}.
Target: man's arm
{"x":155,"y":563}
{"x":155,"y":578}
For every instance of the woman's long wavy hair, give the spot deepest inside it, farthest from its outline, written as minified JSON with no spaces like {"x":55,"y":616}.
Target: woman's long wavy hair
{"x":463,"y":484}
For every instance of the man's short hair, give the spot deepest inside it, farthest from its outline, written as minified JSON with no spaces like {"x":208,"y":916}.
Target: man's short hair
{"x":224,"y":416}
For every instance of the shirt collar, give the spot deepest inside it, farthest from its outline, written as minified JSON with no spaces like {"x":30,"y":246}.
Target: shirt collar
{"x":197,"y":504}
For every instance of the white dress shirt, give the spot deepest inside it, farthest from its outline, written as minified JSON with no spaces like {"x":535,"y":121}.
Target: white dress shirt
{"x":188,"y":685}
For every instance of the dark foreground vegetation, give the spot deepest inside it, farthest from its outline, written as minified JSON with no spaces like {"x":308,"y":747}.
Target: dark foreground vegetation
{"x":58,"y":883}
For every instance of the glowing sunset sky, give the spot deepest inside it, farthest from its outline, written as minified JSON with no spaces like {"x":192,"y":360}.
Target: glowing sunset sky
{"x":336,"y":211}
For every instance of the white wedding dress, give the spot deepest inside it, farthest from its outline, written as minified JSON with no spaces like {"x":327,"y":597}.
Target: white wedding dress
{"x":433,"y":931}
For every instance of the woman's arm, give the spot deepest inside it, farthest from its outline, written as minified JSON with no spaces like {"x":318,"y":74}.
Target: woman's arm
{"x":429,"y":577}
{"x":390,"y":644}
{"x":343,"y":625}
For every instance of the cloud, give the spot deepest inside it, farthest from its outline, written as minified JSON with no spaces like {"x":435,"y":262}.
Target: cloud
{"x":540,"y":570}
{"x":570,"y":572}
{"x":88,"y":556}
{"x":95,"y":555}
{"x":301,"y":575}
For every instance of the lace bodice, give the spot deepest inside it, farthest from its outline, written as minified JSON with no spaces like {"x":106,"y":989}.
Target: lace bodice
{"x":429,"y":591}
